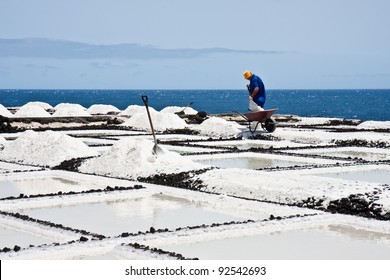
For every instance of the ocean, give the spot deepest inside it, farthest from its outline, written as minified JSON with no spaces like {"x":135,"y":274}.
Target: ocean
{"x":349,"y":104}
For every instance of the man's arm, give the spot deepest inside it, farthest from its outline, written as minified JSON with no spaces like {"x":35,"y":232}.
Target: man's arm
{"x":255,"y":91}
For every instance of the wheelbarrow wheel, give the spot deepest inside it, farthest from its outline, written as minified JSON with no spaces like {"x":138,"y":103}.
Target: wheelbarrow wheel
{"x":270,"y":125}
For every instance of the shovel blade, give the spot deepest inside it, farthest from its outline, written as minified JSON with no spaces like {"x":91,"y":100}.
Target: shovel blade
{"x":157,"y":151}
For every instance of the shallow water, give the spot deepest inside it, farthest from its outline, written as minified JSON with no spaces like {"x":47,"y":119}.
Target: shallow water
{"x":6,"y":167}
{"x":133,"y":215}
{"x":256,"y":144}
{"x":44,"y":185}
{"x":334,"y":243}
{"x":249,"y":162}
{"x":186,"y":149}
{"x":371,"y":154}
{"x":373,"y":176}
{"x":10,"y":237}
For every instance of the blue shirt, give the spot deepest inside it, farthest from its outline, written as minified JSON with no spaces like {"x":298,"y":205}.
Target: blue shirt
{"x":255,"y":82}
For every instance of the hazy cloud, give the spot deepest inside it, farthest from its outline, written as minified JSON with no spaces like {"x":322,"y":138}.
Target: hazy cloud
{"x":110,"y":65}
{"x":60,"y":49}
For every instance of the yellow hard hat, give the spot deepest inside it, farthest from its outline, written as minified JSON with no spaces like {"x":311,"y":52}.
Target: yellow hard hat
{"x":247,"y":74}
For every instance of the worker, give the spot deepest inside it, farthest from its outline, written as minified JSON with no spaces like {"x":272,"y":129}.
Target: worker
{"x":256,"y":91}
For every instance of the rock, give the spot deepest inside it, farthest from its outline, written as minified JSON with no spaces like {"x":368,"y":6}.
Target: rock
{"x":83,"y":239}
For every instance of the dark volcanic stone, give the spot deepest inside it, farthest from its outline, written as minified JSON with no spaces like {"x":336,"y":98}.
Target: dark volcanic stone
{"x":83,"y":239}
{"x":71,"y":165}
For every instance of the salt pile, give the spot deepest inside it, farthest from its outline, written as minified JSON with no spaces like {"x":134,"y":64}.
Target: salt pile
{"x":133,"y":158}
{"x":135,"y":109}
{"x":374,"y":125}
{"x":101,"y":109}
{"x":47,"y":148}
{"x":316,"y":121}
{"x":31,"y":110}
{"x":70,"y":110}
{"x":161,"y":121}
{"x":176,"y":109}
{"x":4,"y":112}
{"x":43,"y":105}
{"x":218,"y":127}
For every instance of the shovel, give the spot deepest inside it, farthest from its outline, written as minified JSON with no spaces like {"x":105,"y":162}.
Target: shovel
{"x":182,"y":110}
{"x":156,"y":149}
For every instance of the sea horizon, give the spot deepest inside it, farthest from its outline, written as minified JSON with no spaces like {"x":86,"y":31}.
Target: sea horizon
{"x":363,"y":104}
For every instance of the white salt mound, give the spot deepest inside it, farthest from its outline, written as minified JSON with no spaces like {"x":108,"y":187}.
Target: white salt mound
{"x":161,"y":121}
{"x":68,"y":105}
{"x":31,"y":110}
{"x":43,"y":105}
{"x":176,"y":109}
{"x":47,"y":148}
{"x":132,"y":158}
{"x":70,"y":110}
{"x":374,"y":125}
{"x":316,"y":120}
{"x":4,"y":112}
{"x":218,"y":127}
{"x":101,"y":109}
{"x":135,"y":109}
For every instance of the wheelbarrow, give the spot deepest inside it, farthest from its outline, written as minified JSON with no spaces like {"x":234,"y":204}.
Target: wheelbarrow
{"x":261,"y":117}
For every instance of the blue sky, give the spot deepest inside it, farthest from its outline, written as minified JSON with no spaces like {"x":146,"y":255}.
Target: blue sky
{"x":173,"y":44}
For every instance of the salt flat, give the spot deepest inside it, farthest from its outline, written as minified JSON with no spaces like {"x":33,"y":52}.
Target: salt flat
{"x":97,"y":191}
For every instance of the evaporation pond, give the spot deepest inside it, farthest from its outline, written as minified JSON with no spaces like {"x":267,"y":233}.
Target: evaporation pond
{"x":372,"y":176}
{"x":340,"y":242}
{"x":372,"y":154}
{"x":6,"y":167}
{"x":250,"y":162}
{"x":133,"y":214}
{"x":10,"y":237}
{"x":44,"y":185}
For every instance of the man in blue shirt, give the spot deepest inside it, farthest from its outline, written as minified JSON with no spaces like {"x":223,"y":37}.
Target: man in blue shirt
{"x":255,"y":88}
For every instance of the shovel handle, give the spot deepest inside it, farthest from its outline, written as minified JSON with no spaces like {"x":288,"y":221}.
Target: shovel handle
{"x":145,"y":99}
